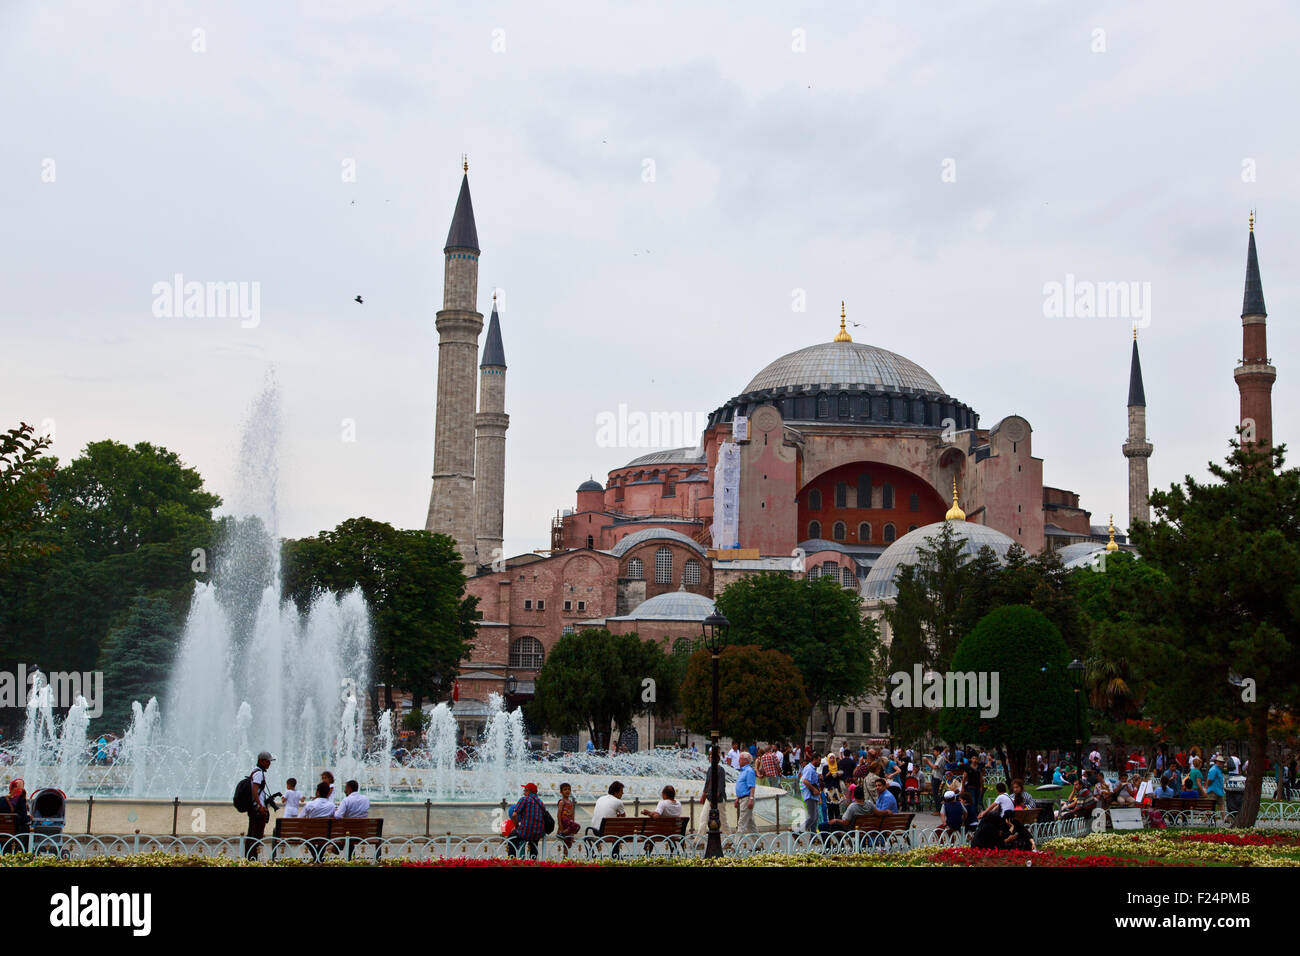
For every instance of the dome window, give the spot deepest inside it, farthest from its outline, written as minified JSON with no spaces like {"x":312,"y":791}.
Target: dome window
{"x":823,"y":406}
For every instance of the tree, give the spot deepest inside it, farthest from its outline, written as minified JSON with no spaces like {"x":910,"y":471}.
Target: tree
{"x":24,"y":488}
{"x":1035,"y":699}
{"x":422,"y":624}
{"x":1231,"y":553}
{"x":818,"y":624}
{"x":761,"y":695}
{"x":594,"y":679}
{"x":136,"y":657}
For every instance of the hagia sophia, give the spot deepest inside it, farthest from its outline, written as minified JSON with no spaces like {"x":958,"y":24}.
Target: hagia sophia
{"x":838,"y":460}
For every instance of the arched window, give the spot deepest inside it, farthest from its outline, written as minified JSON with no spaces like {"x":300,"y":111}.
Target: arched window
{"x":864,"y":531}
{"x":838,"y":531}
{"x":691,"y":573}
{"x":683,"y":647}
{"x":823,"y":406}
{"x":814,"y":500}
{"x":844,"y":405}
{"x":889,"y":532}
{"x":663,"y":566}
{"x":814,"y":529}
{"x":841,"y":495}
{"x":636,"y":570}
{"x":814,"y":573}
{"x":847,"y":577}
{"x":887,"y":496}
{"x":911,"y":527}
{"x":864,"y":490}
{"x":830,"y":570}
{"x":527,"y":654}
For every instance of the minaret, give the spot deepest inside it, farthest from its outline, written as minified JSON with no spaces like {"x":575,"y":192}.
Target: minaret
{"x":1137,"y":449}
{"x":490,"y":444}
{"x":1254,"y":374}
{"x":451,"y":506}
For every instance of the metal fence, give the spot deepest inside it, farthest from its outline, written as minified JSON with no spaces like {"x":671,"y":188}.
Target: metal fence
{"x":82,"y":846}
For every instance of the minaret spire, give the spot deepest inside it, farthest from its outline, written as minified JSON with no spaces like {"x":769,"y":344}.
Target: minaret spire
{"x":451,"y":503}
{"x":1137,"y":449}
{"x":490,"y":447}
{"x":1254,"y":373}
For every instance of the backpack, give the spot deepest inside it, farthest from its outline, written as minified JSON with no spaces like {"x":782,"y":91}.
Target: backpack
{"x":550,"y":822}
{"x":244,"y":794}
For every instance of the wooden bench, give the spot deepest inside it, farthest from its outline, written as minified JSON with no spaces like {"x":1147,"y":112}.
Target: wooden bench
{"x":884,"y":821}
{"x":669,"y":830}
{"x":8,"y":824}
{"x":1026,"y":815}
{"x":1187,"y":806}
{"x":317,"y":832}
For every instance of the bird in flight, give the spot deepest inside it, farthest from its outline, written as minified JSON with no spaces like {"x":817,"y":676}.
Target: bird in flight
{"x":358,"y":299}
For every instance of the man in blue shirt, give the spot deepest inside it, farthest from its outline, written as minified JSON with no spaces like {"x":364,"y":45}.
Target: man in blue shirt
{"x":745,"y":784}
{"x":591,"y":747}
{"x":810,"y":789}
{"x":885,"y":801}
{"x":1214,"y":784}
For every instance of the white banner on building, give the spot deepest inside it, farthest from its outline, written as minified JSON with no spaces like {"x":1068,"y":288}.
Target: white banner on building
{"x":726,"y":497}
{"x":740,"y":428}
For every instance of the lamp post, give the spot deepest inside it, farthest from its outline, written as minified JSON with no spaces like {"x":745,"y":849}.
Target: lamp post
{"x":715,"y":637}
{"x":1076,"y":668}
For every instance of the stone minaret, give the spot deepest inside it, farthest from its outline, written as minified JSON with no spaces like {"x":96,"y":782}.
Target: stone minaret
{"x":1254,"y":374}
{"x":451,"y":506}
{"x":1137,"y":449}
{"x":490,"y":445}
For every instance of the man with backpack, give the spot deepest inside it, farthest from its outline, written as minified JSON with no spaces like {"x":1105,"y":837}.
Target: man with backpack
{"x":251,"y":798}
{"x":530,"y":818}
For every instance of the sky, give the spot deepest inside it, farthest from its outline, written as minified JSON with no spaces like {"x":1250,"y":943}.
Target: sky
{"x":668,"y":197}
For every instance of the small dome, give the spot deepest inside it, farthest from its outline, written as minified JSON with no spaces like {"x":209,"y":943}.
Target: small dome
{"x":879,"y":583}
{"x":1071,"y":554}
{"x":671,"y":606}
{"x":844,"y":363}
{"x":591,"y":485}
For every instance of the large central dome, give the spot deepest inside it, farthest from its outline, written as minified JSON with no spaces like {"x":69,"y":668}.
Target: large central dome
{"x":844,"y":363}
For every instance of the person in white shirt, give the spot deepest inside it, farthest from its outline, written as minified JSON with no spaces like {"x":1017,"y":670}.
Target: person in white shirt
{"x":354,"y":804}
{"x":1002,"y":803}
{"x":610,"y":805}
{"x":291,"y":798}
{"x":668,"y":806}
{"x":733,"y":756}
{"x":322,"y":806}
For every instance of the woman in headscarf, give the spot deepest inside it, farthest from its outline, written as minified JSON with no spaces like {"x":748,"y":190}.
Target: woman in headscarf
{"x":15,"y":803}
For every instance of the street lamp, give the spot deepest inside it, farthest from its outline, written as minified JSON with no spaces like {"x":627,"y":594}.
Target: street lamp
{"x":715,"y":637}
{"x":512,"y":685}
{"x":1076,"y":667}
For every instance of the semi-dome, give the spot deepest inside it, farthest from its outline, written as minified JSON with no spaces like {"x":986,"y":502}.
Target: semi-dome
{"x":844,"y":363}
{"x":628,"y":542}
{"x":671,"y":606}
{"x":879,"y":583}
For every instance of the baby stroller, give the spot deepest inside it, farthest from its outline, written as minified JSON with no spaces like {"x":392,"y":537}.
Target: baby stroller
{"x":911,"y":794}
{"x":49,"y":816}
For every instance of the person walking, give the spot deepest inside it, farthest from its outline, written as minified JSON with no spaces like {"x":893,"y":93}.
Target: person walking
{"x":769,"y":767}
{"x":745,"y":784}
{"x":258,"y":814}
{"x":810,"y":789}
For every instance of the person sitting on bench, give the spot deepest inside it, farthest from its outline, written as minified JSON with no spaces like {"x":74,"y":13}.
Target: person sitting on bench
{"x":858,"y":808}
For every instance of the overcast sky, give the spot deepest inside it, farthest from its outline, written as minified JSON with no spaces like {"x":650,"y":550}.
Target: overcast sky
{"x":652,"y":183}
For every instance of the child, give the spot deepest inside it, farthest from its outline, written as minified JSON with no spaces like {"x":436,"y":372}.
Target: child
{"x":291,"y":797}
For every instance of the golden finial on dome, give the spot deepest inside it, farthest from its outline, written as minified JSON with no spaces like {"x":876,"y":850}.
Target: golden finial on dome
{"x":464,"y":162}
{"x":1252,"y":220}
{"x":1111,"y":545}
{"x":843,"y":335}
{"x":955,"y":513}
{"x":1135,"y":332}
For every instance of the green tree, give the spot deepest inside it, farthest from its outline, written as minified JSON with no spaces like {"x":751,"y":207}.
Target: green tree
{"x":24,"y":488}
{"x":760,"y":694}
{"x":136,"y":657}
{"x":1230,"y":550}
{"x":594,"y":680}
{"x":422,"y":624}
{"x":818,"y":624}
{"x":1035,"y":698}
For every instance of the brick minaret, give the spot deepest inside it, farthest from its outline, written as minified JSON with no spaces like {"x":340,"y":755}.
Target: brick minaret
{"x":1254,"y":374}
{"x":451,"y":506}
{"x":1137,"y":449}
{"x":490,"y":445}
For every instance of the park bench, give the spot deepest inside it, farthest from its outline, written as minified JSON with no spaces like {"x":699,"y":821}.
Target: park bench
{"x":1190,"y":809}
{"x":318,"y":832}
{"x":1027,"y":815}
{"x":884,"y":825}
{"x":613,"y":830}
{"x":8,"y":824}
